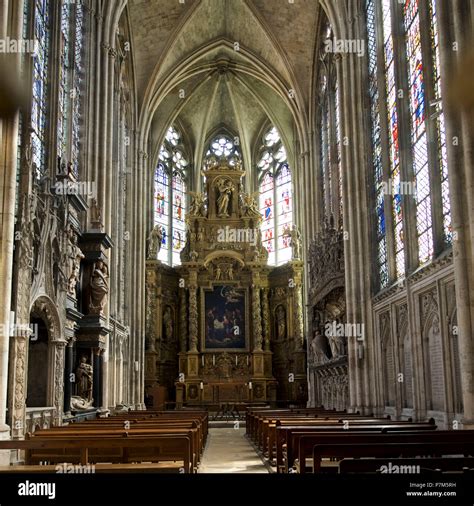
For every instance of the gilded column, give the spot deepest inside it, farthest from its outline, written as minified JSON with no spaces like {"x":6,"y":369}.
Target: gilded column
{"x":182,"y":321}
{"x":257,"y":318}
{"x":193,"y":312}
{"x":266,"y":319}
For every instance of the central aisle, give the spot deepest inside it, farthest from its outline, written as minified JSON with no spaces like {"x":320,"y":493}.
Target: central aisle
{"x":228,"y":451}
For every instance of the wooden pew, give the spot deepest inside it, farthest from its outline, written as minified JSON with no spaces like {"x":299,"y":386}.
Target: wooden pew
{"x":426,"y":465}
{"x":300,"y":440}
{"x":169,"y":447}
{"x":393,"y":449}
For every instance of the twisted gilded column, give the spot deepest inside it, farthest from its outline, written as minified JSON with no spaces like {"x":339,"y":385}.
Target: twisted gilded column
{"x":266,"y":319}
{"x":299,"y":331}
{"x":193,"y":312}
{"x":182,"y":320}
{"x":257,"y":318}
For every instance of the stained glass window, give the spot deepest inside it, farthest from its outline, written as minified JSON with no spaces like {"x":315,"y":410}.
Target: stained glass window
{"x":329,"y":127}
{"x":77,"y":85}
{"x":64,"y":75}
{"x":276,"y":198}
{"x":39,"y":104}
{"x":439,"y":117}
{"x":424,"y":170}
{"x":419,"y":139}
{"x":381,"y":235}
{"x":70,"y":79}
{"x":170,"y":196}
{"x":394,"y":151}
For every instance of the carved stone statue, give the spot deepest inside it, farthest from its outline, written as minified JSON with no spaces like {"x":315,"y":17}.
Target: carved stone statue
{"x":281,"y":322}
{"x":75,"y":256}
{"x":230,"y":273}
{"x":99,"y":287}
{"x":154,"y":242}
{"x":84,"y":379}
{"x":337,"y":345}
{"x":96,"y":215}
{"x":225,"y":188}
{"x":318,"y":349}
{"x":168,"y":323}
{"x":295,"y":236}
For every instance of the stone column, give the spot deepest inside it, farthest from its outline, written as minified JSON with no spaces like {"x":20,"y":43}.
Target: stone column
{"x":96,"y":383}
{"x":11,"y":23}
{"x":68,"y":376}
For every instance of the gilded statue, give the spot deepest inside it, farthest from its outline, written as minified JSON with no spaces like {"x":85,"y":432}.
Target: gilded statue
{"x":225,"y":188}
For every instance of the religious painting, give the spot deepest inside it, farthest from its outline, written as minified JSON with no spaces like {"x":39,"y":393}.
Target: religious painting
{"x":224,"y":318}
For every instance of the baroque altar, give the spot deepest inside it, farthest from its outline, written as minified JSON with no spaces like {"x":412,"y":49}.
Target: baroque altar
{"x":224,"y":326}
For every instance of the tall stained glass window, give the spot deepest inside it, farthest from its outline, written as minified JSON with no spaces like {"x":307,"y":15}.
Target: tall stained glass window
{"x":419,"y":141}
{"x":329,"y":131}
{"x":170,"y":196}
{"x":423,"y":172}
{"x":381,"y":235}
{"x":40,"y":70}
{"x":276,"y":198}
{"x":393,"y":137}
{"x":70,"y":82}
{"x":77,"y":85}
{"x":438,"y":116}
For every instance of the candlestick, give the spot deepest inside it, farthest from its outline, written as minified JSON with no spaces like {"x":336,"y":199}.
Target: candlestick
{"x":202,"y":360}
{"x":201,"y":385}
{"x":236,"y":360}
{"x":213,"y":360}
{"x":250,"y":385}
{"x":247,"y":360}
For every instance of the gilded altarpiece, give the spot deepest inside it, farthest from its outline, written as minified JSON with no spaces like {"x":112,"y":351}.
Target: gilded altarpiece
{"x":221,"y":305}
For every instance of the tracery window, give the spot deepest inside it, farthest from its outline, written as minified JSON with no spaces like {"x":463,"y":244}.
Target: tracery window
{"x":408,"y":62}
{"x":169,"y":196}
{"x":276,"y":198}
{"x":223,"y":146}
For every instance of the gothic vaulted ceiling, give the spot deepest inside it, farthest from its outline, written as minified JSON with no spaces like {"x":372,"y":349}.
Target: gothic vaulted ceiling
{"x":208,"y":64}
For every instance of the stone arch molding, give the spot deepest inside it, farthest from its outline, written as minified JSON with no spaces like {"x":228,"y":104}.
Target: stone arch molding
{"x":44,"y":308}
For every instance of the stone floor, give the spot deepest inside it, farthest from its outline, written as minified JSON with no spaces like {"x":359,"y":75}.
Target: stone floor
{"x":229,"y":451}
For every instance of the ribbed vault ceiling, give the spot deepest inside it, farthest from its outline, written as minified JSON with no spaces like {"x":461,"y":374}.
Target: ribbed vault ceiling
{"x":207,"y":64}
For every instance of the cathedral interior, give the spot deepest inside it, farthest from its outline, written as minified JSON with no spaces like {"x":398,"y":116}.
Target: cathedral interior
{"x":224,"y":204}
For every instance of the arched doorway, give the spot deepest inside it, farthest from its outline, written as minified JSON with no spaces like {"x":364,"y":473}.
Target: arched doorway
{"x":38,"y":364}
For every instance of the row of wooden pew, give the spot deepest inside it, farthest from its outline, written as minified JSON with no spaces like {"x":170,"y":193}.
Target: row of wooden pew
{"x":318,"y":440}
{"x":156,"y":441}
